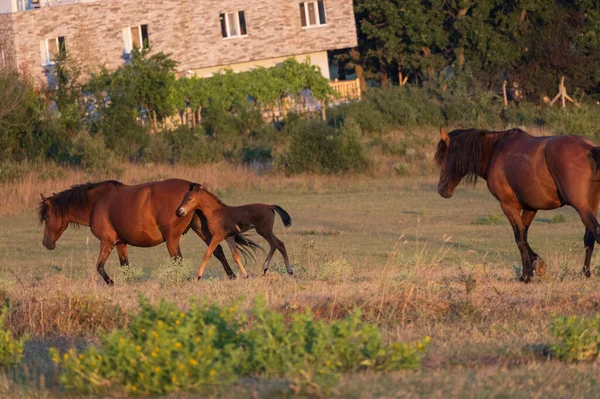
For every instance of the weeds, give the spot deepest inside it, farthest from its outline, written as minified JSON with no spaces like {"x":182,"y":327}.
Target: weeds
{"x":165,"y":349}
{"x":579,"y":337}
{"x":11,"y":350}
{"x":491,"y":219}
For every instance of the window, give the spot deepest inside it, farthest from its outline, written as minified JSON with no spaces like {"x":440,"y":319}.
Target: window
{"x":50,"y":48}
{"x":312,"y":13}
{"x":135,"y":36}
{"x":233,"y":24}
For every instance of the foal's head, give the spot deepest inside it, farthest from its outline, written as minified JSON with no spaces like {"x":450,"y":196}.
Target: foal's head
{"x":193,"y":199}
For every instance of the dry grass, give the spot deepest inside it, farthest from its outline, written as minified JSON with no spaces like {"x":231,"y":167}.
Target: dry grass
{"x":414,"y":263}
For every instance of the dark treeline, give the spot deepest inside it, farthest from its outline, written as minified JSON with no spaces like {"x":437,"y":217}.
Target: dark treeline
{"x":528,"y":42}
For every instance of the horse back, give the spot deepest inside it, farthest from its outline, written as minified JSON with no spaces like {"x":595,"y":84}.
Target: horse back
{"x":141,"y":215}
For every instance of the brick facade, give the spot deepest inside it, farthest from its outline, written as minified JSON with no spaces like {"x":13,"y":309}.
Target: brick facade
{"x":188,"y":29}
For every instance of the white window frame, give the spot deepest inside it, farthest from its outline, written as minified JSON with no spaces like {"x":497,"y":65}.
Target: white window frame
{"x":237,"y":24}
{"x":317,"y":16}
{"x":128,"y":39}
{"x":45,"y":50}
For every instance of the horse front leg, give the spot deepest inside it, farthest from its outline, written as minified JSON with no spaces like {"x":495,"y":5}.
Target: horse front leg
{"x":513,"y":214}
{"x":214,"y":243}
{"x":105,"y":250}
{"x":205,"y":236}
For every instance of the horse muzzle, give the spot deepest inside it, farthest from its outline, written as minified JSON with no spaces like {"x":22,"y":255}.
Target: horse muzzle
{"x":180,"y":213}
{"x":49,"y":245}
{"x":445,"y":192}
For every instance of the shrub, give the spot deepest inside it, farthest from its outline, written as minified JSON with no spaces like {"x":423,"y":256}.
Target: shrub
{"x":11,"y":350}
{"x":334,"y":270}
{"x":164,"y":349}
{"x":318,"y":148}
{"x":91,"y":153}
{"x":579,"y":337}
{"x":131,"y":274}
{"x":174,"y":271}
{"x":157,"y":149}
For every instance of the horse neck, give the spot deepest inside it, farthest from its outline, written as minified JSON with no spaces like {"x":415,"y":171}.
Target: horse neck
{"x":82,"y":215}
{"x":211,"y":204}
{"x":487,"y":149}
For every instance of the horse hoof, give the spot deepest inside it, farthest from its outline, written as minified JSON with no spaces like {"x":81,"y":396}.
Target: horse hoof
{"x":525,"y":279}
{"x":540,"y":266}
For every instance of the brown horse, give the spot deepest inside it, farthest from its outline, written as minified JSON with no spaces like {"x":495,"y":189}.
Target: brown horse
{"x":224,"y":222}
{"x":120,"y":215}
{"x":526,"y":174}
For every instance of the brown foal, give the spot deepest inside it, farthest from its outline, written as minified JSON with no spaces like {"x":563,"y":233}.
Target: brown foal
{"x":121,"y":215}
{"x":224,"y":222}
{"x":526,"y":174}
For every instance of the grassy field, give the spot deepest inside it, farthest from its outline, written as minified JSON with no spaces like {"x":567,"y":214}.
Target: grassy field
{"x":418,"y":265}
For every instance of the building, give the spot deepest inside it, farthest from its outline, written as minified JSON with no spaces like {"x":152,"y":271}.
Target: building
{"x":203,"y":36}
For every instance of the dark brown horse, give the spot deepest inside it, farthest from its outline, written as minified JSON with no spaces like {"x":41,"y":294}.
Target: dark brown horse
{"x":526,"y":174}
{"x":225,"y":222}
{"x":120,"y":215}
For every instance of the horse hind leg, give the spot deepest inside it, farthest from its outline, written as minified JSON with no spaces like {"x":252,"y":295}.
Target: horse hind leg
{"x":589,"y":239}
{"x":268,"y":259}
{"x":122,"y":251}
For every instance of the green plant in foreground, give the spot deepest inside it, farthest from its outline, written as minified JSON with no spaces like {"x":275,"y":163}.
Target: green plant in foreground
{"x":11,"y":350}
{"x":164,"y":350}
{"x":579,"y":337}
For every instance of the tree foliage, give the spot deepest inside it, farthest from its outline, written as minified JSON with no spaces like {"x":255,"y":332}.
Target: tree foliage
{"x":531,"y":41}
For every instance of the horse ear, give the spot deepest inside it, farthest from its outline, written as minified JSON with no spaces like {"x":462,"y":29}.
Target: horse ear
{"x":43,"y":198}
{"x":444,"y":135}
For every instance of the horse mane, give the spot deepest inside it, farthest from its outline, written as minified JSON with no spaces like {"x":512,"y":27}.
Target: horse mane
{"x":463,"y":157}
{"x":213,"y":196}
{"x":76,"y":196}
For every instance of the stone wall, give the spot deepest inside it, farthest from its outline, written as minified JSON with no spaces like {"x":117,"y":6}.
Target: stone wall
{"x":7,"y":49}
{"x":188,"y":29}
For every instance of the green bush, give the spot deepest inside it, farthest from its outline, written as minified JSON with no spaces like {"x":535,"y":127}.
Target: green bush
{"x":131,"y":274}
{"x":579,"y":337}
{"x":157,"y":149}
{"x":11,"y":350}
{"x":91,"y":153}
{"x":174,"y":271}
{"x":164,"y":349}
{"x":315,"y":147}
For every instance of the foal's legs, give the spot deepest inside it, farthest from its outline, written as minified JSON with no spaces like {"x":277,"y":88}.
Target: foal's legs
{"x":105,"y":250}
{"x":275,"y":242}
{"x":214,"y":243}
{"x":122,"y":251}
{"x":513,"y":214}
{"x":236,"y":255}
{"x":219,"y":254}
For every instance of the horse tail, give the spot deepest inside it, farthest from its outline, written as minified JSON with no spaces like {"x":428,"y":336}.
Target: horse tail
{"x":595,"y":157}
{"x":246,"y":246}
{"x":285,"y":217}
